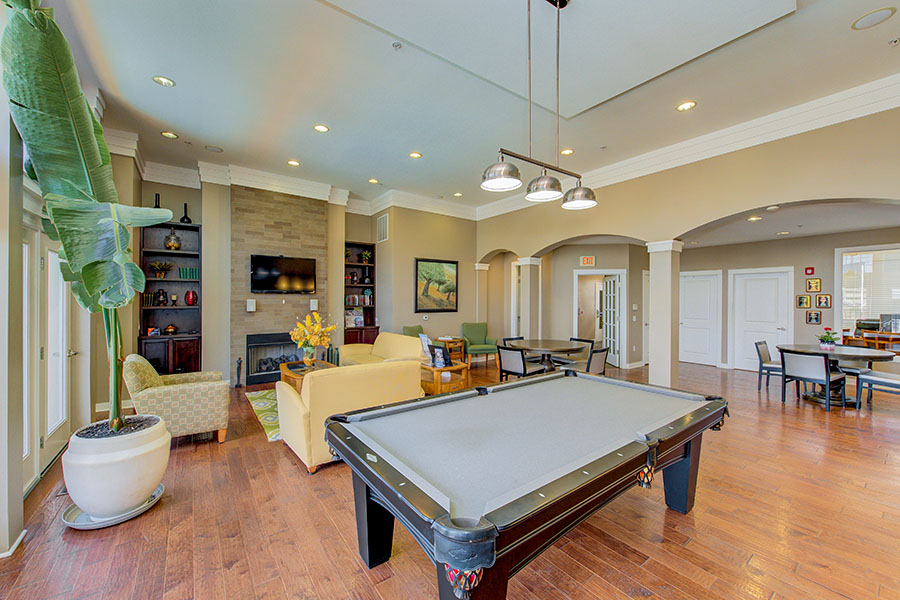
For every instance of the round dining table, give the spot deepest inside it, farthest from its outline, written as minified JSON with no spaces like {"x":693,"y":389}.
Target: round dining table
{"x":547,"y":348}
{"x":837,"y":354}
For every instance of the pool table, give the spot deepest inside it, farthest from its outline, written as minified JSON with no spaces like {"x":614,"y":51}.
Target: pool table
{"x":486,"y":479}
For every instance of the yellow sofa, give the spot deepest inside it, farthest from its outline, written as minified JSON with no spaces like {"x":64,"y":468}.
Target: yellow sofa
{"x":332,"y":391}
{"x":387,"y":347}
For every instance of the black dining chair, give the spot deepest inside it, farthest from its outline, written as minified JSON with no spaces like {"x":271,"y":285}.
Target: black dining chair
{"x":529,"y":356}
{"x":811,"y":368}
{"x":512,"y":362}
{"x":595,"y":363}
{"x":582,"y":355}
{"x":766,"y":364}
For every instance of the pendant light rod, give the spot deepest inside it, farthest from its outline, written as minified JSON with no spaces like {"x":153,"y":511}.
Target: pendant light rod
{"x":530,"y":153}
{"x":538,"y":163}
{"x":558,"y":8}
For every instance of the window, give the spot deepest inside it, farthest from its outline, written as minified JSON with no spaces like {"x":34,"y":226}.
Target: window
{"x":870,"y":285}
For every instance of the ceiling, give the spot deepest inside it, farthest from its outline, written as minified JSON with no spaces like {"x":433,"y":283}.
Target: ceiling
{"x":255,"y":77}
{"x":801,"y":219}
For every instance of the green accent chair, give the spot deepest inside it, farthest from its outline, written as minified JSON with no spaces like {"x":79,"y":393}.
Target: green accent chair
{"x":478,"y":342}
{"x":415,"y":330}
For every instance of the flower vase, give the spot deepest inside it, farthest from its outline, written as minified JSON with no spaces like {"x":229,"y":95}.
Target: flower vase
{"x":309,"y":355}
{"x":827,"y":346}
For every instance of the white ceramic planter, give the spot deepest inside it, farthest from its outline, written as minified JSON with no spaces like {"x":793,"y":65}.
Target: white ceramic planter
{"x":108,"y":477}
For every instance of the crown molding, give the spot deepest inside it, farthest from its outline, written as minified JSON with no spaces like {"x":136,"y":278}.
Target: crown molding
{"x":211,"y":173}
{"x":278,"y":183}
{"x":160,"y":173}
{"x":432,"y":205}
{"x":665,"y":246}
{"x":338,"y":196}
{"x":124,"y":143}
{"x":533,"y":261}
{"x":359,"y":207}
{"x":99,"y":105}
{"x":860,"y":101}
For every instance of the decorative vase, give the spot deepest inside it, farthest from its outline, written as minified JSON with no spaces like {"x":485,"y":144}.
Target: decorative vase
{"x":155,"y":200}
{"x":309,"y":355}
{"x":160,"y":274}
{"x":827,"y":346}
{"x":110,"y":476}
{"x":173,"y":242}
{"x":191,"y":298}
{"x":185,"y":218}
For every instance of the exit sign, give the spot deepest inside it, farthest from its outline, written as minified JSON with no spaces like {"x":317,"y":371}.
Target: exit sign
{"x":587,"y":261}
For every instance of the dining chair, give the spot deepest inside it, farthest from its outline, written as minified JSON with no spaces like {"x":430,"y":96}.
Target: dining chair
{"x":811,"y":368}
{"x":582,"y":355}
{"x":766,"y":364}
{"x":883,"y":377}
{"x":529,"y":356}
{"x":512,"y":362}
{"x":597,"y":361}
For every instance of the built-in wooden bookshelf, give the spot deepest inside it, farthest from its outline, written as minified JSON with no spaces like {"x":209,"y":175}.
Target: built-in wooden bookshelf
{"x":178,"y":352}
{"x":359,"y":293}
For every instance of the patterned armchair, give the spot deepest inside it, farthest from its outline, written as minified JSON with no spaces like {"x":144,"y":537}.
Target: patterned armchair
{"x":188,"y":402}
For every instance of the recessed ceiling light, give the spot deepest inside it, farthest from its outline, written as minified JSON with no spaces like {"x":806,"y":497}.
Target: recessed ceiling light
{"x":754,"y":219}
{"x":321,"y":128}
{"x":773,"y":207}
{"x":876,"y":17}
{"x":567,"y":151}
{"x":457,"y":194}
{"x":686,"y":106}
{"x":163,"y":81}
{"x":783,"y":233}
{"x":373,"y":180}
{"x":214,"y":149}
{"x":294,"y":163}
{"x":415,"y":155}
{"x":171,"y":135}
{"x":693,"y":243}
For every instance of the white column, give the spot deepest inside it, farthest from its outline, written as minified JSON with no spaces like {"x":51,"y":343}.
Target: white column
{"x":665,"y":267}
{"x":481,"y":291}
{"x":337,"y":236}
{"x":215,"y":274}
{"x":530,"y":300}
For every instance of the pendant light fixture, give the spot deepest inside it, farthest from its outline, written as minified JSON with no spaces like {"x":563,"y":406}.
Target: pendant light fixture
{"x":503,"y":176}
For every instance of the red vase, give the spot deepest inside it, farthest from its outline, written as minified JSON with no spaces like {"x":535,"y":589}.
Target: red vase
{"x":191,"y":298}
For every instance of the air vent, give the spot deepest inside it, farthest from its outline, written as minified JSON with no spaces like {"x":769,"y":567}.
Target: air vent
{"x":381,"y":226}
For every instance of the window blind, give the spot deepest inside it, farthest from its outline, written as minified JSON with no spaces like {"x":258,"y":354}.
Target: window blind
{"x":870,"y":285}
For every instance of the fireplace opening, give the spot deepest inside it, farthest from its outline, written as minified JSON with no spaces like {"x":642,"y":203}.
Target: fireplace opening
{"x":265,"y":353}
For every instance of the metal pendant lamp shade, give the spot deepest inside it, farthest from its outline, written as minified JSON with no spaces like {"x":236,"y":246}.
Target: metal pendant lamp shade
{"x":579,"y":198}
{"x":501,"y":177}
{"x":544,"y":188}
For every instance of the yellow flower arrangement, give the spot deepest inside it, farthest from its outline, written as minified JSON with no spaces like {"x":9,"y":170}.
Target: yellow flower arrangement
{"x":310,"y":333}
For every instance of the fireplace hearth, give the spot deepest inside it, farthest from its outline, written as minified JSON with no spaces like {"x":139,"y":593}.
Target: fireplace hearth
{"x":265,"y":353}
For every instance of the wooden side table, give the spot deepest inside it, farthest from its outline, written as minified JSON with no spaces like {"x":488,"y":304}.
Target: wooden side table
{"x":292,"y":372}
{"x":456,"y":347}
{"x":433,"y":383}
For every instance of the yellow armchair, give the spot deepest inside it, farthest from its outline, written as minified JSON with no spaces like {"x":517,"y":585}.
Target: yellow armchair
{"x":188,"y":402}
{"x":327,"y":392}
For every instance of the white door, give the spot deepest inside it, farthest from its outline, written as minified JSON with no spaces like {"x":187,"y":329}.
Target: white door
{"x":31,"y":469}
{"x":762,"y":311}
{"x":611,"y":318}
{"x":700,"y":338}
{"x":55,"y":404}
{"x":645,"y":315}
{"x":598,"y":312}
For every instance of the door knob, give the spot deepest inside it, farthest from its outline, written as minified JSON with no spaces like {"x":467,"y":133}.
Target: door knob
{"x":70,"y":353}
{"x":782,"y":328}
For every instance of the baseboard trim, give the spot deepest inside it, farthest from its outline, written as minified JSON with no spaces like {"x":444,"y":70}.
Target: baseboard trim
{"x":15,"y":545}
{"x":722,"y":365}
{"x":104,"y":406}
{"x":634,"y":365}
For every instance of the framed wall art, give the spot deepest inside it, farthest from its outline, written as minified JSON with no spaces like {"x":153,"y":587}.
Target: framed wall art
{"x":814,"y":285}
{"x":436,"y":284}
{"x":804,"y":301}
{"x":814,"y":317}
{"x":823,"y":300}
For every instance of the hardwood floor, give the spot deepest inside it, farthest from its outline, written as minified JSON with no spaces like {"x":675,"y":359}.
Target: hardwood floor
{"x":792,"y":503}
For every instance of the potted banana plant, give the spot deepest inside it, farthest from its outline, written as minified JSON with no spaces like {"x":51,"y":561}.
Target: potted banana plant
{"x":111,"y":467}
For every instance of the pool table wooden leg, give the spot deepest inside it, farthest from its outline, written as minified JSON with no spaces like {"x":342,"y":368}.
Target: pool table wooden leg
{"x":680,"y":479}
{"x":493,"y":584}
{"x":374,"y":526}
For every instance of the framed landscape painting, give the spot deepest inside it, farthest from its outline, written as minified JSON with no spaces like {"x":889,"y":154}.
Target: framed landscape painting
{"x":436,"y":285}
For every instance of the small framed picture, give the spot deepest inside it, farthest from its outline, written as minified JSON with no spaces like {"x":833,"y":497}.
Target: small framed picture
{"x":153,"y":331}
{"x":823,"y":300}
{"x":814,"y":285}
{"x":804,"y":301}
{"x":814,"y":317}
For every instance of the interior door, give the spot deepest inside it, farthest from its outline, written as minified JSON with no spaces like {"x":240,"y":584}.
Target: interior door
{"x":611,"y":318}
{"x":700,"y":338}
{"x":55,"y":406}
{"x":645,"y":315}
{"x":762,"y":306}
{"x":31,"y":470}
{"x":598,"y":312}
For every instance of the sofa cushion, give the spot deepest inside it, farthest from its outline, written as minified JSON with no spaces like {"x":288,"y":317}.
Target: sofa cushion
{"x":394,"y":346}
{"x":481,"y":349}
{"x":361,"y":359}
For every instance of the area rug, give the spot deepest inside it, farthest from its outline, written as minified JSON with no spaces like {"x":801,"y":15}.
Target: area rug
{"x":265,"y":405}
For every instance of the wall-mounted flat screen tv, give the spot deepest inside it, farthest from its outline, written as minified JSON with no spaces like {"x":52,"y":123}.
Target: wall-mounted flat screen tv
{"x":282,"y":275}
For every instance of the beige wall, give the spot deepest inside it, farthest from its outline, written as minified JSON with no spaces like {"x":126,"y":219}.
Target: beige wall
{"x":638,"y":262}
{"x":264,"y":222}
{"x":855,"y":159}
{"x":173,"y":197}
{"x":416,"y":234}
{"x":801,"y":252}
{"x":359,"y":228}
{"x":215,"y":274}
{"x":498,"y":294}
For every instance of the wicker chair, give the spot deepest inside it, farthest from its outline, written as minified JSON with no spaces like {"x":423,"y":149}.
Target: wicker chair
{"x":188,"y":402}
